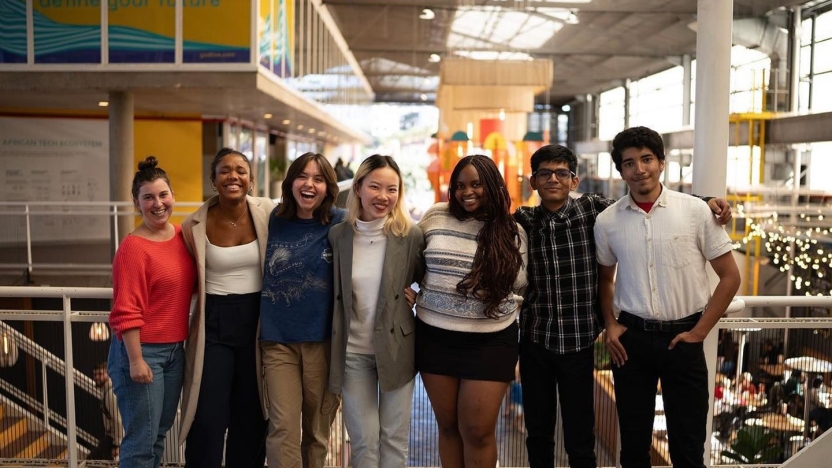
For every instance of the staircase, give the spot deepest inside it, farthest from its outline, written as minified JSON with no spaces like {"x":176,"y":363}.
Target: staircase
{"x":22,"y":436}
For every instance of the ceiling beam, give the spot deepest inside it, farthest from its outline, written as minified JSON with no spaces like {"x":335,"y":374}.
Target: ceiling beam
{"x":611,"y":6}
{"x":378,"y":48}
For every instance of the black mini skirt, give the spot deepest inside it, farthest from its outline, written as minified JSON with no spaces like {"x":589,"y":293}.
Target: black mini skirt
{"x":465,"y":355}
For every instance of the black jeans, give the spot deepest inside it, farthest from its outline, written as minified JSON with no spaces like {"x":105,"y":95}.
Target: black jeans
{"x":543,"y":374}
{"x":228,"y":396}
{"x":684,"y":378}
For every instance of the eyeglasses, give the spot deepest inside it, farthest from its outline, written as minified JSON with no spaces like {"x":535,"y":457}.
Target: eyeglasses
{"x":546,"y":174}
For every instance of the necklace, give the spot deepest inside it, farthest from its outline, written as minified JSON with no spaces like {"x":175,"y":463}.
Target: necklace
{"x":376,"y":236}
{"x":234,"y":223}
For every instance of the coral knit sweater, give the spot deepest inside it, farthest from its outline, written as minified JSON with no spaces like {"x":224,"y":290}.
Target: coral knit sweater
{"x":153,"y":283}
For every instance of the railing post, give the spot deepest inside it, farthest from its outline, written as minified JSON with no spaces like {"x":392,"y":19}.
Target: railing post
{"x":28,"y":241}
{"x":45,"y":393}
{"x":710,"y":347}
{"x":69,"y":379}
{"x":115,"y":227}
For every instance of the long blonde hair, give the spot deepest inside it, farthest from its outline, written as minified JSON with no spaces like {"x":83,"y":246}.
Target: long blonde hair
{"x":398,"y":221}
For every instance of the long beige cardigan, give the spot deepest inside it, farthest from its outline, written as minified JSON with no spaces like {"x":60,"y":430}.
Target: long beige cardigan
{"x":193,"y":228}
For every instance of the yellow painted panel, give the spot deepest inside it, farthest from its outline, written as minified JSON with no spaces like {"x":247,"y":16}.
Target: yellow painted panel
{"x":177,"y":145}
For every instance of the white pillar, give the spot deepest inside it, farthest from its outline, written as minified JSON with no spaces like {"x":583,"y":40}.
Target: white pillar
{"x":686,"y":89}
{"x":713,"y":71}
{"x":710,"y":141}
{"x":794,"y":62}
{"x":122,"y":168}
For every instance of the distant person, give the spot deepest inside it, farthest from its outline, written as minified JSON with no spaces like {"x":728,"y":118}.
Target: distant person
{"x":223,"y":384}
{"x":378,"y":253}
{"x":110,"y":442}
{"x":660,"y":240}
{"x":342,"y":172}
{"x":154,"y":278}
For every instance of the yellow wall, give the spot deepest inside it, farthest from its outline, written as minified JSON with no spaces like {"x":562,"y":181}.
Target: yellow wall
{"x":177,"y":144}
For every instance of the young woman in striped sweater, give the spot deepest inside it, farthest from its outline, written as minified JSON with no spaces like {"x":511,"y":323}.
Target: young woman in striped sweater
{"x":466,"y":329}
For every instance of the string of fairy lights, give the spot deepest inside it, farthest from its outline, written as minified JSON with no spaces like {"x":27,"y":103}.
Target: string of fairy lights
{"x":798,"y":245}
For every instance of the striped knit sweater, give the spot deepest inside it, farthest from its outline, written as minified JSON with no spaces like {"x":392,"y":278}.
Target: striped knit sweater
{"x":449,"y":254}
{"x":153,"y":283}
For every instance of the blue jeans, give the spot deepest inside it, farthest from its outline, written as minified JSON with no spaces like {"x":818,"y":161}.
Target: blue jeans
{"x":147,"y":410}
{"x":378,"y":423}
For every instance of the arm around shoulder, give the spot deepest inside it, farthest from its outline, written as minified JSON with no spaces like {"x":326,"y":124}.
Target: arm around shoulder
{"x":521,"y":281}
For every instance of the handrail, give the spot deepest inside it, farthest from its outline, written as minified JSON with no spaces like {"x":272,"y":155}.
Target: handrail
{"x":67,"y":315}
{"x":53,"y":362}
{"x":15,"y":392}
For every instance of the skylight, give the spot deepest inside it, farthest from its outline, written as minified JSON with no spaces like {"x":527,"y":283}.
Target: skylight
{"x":492,"y":27}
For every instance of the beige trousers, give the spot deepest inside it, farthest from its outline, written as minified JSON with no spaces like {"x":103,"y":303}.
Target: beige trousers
{"x":301,"y":409}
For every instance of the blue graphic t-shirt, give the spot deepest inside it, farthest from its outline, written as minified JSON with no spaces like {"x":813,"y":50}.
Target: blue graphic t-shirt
{"x":296,"y":302}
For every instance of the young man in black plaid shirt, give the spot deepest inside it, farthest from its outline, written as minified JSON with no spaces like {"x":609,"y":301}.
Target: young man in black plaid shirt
{"x":560,"y":319}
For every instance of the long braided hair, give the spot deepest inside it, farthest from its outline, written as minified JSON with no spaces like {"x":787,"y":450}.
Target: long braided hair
{"x":497,"y":259}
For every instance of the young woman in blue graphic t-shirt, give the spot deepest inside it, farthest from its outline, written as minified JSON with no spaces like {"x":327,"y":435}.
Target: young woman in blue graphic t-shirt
{"x":296,"y":315}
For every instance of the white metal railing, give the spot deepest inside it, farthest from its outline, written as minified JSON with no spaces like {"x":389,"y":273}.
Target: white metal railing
{"x":31,"y":211}
{"x":67,"y":316}
{"x":35,"y":234}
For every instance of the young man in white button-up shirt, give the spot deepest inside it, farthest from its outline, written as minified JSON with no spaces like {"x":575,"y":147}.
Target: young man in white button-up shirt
{"x":661,"y":240}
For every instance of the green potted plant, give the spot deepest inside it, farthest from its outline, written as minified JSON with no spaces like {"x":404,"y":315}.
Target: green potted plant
{"x":754,"y":445}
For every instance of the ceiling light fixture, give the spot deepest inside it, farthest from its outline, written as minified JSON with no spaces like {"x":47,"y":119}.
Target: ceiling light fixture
{"x":423,"y":97}
{"x":427,"y":14}
{"x":286,"y":122}
{"x":99,"y":332}
{"x":434,"y":58}
{"x":267,"y":116}
{"x":566,"y":108}
{"x":300,"y":127}
{"x":103,"y":103}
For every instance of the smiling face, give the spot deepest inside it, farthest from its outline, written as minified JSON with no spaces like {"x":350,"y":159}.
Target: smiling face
{"x":469,"y":191}
{"x":155,"y":203}
{"x":641,"y":169}
{"x":554,"y":189}
{"x":232,"y":177}
{"x":309,"y":190}
{"x":378,"y":192}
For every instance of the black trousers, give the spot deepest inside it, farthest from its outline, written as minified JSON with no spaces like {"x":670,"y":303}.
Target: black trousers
{"x":228,"y":396}
{"x":684,"y":378}
{"x":543,"y":374}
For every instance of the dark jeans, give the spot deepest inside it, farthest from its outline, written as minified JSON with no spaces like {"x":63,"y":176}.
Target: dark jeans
{"x":228,"y":396}
{"x":543,"y":374}
{"x":684,"y":379}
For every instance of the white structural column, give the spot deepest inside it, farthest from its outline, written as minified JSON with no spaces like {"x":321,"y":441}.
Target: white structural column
{"x":121,"y":159}
{"x":713,"y":73}
{"x":710,"y":143}
{"x":794,"y":77}
{"x":686,"y":88}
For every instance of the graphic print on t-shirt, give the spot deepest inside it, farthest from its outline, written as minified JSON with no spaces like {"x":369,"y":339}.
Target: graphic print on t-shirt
{"x":291,"y":270}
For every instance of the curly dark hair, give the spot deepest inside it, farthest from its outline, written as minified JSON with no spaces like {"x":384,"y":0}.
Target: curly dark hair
{"x":498,"y":258}
{"x":636,"y":137}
